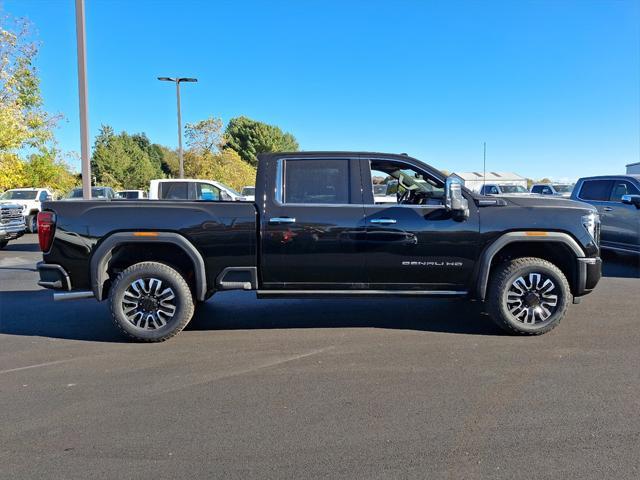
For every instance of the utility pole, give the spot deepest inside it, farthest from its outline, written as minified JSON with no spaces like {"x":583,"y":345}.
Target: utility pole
{"x":178,"y":80}
{"x":83,"y":101}
{"x":484,"y":164}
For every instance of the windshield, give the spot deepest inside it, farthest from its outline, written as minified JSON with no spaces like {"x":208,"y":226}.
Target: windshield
{"x":230,"y":190}
{"x":96,"y":192}
{"x":19,"y":195}
{"x":248,"y":191}
{"x":129,"y":194}
{"x":563,"y":188}
{"x":513,"y":189}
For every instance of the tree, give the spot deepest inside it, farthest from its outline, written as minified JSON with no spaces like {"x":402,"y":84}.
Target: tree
{"x":205,"y":135}
{"x":48,"y":169}
{"x":226,"y":167}
{"x":25,"y":127}
{"x":249,"y":137}
{"x":23,"y":121}
{"x":122,"y":160}
{"x":170,"y":163}
{"x":11,"y":171}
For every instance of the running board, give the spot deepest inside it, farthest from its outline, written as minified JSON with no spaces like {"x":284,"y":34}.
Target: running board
{"x":358,"y":293}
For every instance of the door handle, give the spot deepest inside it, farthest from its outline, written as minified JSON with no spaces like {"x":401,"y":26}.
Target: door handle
{"x":383,"y":221}
{"x":607,"y":209}
{"x":277,"y":220}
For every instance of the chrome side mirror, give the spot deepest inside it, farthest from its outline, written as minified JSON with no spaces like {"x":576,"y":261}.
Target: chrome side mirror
{"x":454,"y":199}
{"x":631,"y":200}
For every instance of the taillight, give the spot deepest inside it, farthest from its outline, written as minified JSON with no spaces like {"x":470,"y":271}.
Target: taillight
{"x":46,"y":228}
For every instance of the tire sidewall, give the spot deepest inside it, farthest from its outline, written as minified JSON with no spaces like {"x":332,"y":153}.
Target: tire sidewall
{"x":169,"y":277}
{"x":562,"y":291}
{"x":32,"y":224}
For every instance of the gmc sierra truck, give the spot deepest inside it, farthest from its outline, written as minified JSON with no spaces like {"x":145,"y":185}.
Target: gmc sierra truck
{"x":316,"y":230}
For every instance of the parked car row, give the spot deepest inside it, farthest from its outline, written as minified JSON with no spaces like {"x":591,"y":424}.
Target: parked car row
{"x":617,"y":198}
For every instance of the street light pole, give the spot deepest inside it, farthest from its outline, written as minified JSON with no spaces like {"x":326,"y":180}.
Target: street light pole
{"x":178,"y":80}
{"x":83,"y":101}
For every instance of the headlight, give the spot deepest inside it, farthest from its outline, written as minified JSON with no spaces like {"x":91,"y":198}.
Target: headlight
{"x":591,"y":223}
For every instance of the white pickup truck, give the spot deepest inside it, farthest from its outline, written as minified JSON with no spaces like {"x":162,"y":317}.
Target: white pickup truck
{"x":192,"y":189}
{"x":30,"y":199}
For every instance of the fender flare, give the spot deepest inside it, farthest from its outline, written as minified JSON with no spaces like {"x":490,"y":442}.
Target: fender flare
{"x":512,"y":237}
{"x":102,"y":255}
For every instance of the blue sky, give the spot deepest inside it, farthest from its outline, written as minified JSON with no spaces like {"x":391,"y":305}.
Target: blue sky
{"x":553,"y":87}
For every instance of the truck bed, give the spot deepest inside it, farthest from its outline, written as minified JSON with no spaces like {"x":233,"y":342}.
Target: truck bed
{"x":224,"y":233}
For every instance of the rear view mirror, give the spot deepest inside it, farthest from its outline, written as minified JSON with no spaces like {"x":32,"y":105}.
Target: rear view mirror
{"x":454,"y":199}
{"x":631,"y":200}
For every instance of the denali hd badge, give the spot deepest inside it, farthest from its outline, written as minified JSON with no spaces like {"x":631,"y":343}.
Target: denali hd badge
{"x":432,"y":263}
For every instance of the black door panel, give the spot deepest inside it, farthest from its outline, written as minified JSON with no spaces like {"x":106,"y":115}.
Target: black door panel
{"x":313,"y":233}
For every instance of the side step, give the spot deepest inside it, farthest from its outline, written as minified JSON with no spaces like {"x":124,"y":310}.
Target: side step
{"x":62,"y":296}
{"x":358,"y":293}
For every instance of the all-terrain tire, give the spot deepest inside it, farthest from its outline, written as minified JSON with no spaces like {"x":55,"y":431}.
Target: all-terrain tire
{"x":152,"y":302}
{"x":512,"y":276}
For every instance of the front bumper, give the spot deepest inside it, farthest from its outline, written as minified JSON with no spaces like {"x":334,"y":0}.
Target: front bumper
{"x":11,"y":231}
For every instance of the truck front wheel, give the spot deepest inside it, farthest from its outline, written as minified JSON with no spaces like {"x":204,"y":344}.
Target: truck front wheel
{"x":150,"y":302}
{"x":528,"y":296}
{"x":32,"y":223}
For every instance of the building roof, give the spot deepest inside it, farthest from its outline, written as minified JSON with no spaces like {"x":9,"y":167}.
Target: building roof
{"x":633,"y":164}
{"x":491,"y":176}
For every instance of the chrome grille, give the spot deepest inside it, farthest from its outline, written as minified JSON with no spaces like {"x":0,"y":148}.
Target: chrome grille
{"x":10,"y":214}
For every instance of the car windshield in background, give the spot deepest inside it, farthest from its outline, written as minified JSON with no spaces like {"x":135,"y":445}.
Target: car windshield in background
{"x":248,"y":191}
{"x":19,"y":195}
{"x":129,"y":195}
{"x":233,"y":192}
{"x":96,"y":192}
{"x":513,"y":189}
{"x":563,"y":188}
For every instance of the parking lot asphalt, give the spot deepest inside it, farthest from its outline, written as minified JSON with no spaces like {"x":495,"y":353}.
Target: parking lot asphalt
{"x":402,"y":388}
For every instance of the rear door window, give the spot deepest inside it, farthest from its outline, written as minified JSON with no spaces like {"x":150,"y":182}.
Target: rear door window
{"x":321,"y":181}
{"x":174,"y":191}
{"x":598,"y":190}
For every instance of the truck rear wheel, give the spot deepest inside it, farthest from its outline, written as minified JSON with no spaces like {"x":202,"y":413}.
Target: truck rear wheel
{"x":528,"y":296}
{"x":150,"y":302}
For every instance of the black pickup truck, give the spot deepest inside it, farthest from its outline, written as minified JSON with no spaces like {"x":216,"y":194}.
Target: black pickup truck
{"x":317,"y":229}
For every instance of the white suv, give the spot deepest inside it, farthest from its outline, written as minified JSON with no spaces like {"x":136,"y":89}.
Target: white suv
{"x":30,"y":199}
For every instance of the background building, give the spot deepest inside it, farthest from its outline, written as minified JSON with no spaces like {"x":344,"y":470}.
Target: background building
{"x":475,"y":180}
{"x":633,"y":168}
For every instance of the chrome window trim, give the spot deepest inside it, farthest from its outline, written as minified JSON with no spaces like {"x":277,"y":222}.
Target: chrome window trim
{"x":578,"y":197}
{"x":280,"y":186}
{"x":434,"y":207}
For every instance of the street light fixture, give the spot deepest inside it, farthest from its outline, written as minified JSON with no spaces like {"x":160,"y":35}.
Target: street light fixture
{"x":177,"y":81}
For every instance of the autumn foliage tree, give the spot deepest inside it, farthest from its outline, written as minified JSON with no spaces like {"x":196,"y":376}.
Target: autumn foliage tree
{"x":27,"y":156}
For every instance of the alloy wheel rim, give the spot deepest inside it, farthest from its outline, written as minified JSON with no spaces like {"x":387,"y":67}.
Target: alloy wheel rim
{"x":532,"y":299}
{"x":148,"y":304}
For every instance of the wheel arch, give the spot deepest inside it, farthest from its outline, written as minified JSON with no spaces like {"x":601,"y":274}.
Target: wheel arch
{"x":103,"y":254}
{"x":536,"y":240}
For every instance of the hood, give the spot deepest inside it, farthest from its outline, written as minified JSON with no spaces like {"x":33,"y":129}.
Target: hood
{"x":549,"y":201}
{"x":17,"y":203}
{"x":10,"y":204}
